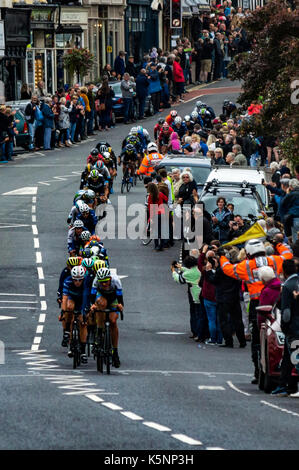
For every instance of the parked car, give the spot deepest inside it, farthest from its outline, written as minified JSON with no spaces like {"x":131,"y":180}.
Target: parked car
{"x":23,"y":137}
{"x":244,"y":197}
{"x":236,"y":175}
{"x":200,"y":167}
{"x":272,"y":345}
{"x":118,"y":104}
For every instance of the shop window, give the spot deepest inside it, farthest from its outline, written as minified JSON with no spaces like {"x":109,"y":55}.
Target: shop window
{"x":64,"y":41}
{"x":103,"y":11}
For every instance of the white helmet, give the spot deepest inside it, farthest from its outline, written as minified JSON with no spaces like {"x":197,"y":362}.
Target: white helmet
{"x":178,"y":120}
{"x":79,"y":204}
{"x":103,"y":274}
{"x":84,"y":208}
{"x":103,"y":148}
{"x":254,"y":247}
{"x":194,"y":114}
{"x":187,"y":118}
{"x":199,"y":104}
{"x":78,"y":224}
{"x":145,"y":133}
{"x":152,"y":147}
{"x":85,"y":236}
{"x":134,"y":130}
{"x":95,"y":250}
{"x":106,"y":155}
{"x":78,"y":272}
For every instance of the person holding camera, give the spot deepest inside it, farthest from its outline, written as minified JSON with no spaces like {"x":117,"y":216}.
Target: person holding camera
{"x":209,"y":295}
{"x":189,"y":274}
{"x":228,"y":302}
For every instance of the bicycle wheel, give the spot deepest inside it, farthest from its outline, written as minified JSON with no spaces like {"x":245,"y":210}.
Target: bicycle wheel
{"x":100,"y":362}
{"x":129,"y":186}
{"x":107,"y":349}
{"x":123,"y":185}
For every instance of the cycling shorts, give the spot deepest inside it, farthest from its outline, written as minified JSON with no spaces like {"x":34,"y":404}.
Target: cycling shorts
{"x":111,"y":306}
{"x":78,"y":302}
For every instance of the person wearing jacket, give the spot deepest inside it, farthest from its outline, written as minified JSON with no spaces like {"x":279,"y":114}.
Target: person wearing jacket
{"x":228,"y":303}
{"x":220,"y":219}
{"x":290,"y":327}
{"x":209,"y":297}
{"x":178,"y":78}
{"x":64,"y":123}
{"x":189,"y":274}
{"x":127,"y":88}
{"x":119,"y":64}
{"x":154,"y":86}
{"x":247,"y":271}
{"x":150,"y":160}
{"x":30,"y":116}
{"x":142,"y":87}
{"x":48,"y":122}
{"x":270,"y":293}
{"x":289,"y":209}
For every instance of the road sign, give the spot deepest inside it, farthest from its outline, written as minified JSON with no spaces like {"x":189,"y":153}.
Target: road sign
{"x":175,"y":14}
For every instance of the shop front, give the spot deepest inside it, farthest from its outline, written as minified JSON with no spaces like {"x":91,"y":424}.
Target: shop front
{"x":141,"y":28}
{"x":12,"y":65}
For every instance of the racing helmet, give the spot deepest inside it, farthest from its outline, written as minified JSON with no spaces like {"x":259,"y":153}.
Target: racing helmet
{"x":194,"y":114}
{"x":78,"y":223}
{"x":94,"y":152}
{"x":87,"y":263}
{"x":78,"y":272}
{"x":178,"y":120}
{"x":187,"y":118}
{"x":85,"y":236}
{"x":103,"y":274}
{"x":74,"y":261}
{"x":173,"y":113}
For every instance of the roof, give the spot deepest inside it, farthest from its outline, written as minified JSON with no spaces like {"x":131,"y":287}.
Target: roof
{"x":237,"y":175}
{"x":185,"y":161}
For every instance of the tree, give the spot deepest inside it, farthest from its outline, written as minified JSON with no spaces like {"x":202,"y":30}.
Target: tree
{"x":78,"y":61}
{"x":269,"y":71}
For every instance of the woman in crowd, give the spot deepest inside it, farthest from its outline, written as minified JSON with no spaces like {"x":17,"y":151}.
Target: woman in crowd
{"x":104,"y":105}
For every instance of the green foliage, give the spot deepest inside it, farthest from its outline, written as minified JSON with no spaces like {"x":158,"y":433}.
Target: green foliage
{"x":269,"y":70}
{"x":79,"y":61}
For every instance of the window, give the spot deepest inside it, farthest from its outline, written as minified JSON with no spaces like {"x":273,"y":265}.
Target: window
{"x":49,"y":40}
{"x":103,"y":12}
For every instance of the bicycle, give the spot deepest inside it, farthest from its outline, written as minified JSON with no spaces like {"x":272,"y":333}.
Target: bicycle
{"x":127,"y":181}
{"x":75,"y":345}
{"x":104,"y":351}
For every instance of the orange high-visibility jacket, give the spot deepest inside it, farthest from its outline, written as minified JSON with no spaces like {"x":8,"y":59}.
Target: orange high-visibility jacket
{"x":247,"y":270}
{"x":148,"y":163}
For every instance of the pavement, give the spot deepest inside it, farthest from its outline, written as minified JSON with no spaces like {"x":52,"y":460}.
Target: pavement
{"x":170,"y":392}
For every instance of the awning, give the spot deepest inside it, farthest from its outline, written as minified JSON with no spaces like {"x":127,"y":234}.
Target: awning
{"x":186,"y":8}
{"x":69,"y":29}
{"x":202,"y":5}
{"x":156,"y":5}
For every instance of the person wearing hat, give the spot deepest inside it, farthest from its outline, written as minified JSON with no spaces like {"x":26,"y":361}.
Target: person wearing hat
{"x":119,"y":64}
{"x":130,"y":67}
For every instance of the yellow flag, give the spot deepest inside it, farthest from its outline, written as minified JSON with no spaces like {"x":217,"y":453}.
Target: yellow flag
{"x":255,"y":231}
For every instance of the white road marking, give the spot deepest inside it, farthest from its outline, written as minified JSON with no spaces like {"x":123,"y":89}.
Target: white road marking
{"x":44,"y":182}
{"x":43,"y":305}
{"x":34,"y":218}
{"x":42,"y":291}
{"x":19,"y":308}
{"x":231,"y":385}
{"x":210,"y":387}
{"x":83,"y":392}
{"x":34,"y":230}
{"x":126,"y":371}
{"x":130,"y":415}
{"x":33,"y":209}
{"x":39,"y":329}
{"x":156,"y":426}
{"x":169,"y":333}
{"x":39,"y":259}
{"x":214,"y":448}
{"x":2,"y":317}
{"x":13,"y":226}
{"x":34,"y":347}
{"x":94,"y":398}
{"x":19,"y":301}
{"x":60,"y":178}
{"x":34,"y":200}
{"x":21,"y":295}
{"x":26,"y":191}
{"x":112,"y":406}
{"x":40,"y":273}
{"x":42,"y":318}
{"x":186,"y":439}
{"x":36,"y":242}
{"x":37,"y":340}
{"x":280,"y":409}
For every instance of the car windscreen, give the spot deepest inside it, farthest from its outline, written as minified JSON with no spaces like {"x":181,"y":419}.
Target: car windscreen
{"x":116,"y":88}
{"x":262,"y":192}
{"x":244,"y":205}
{"x":200,"y":173}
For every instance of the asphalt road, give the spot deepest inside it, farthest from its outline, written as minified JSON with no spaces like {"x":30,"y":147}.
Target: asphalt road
{"x":169,"y":393}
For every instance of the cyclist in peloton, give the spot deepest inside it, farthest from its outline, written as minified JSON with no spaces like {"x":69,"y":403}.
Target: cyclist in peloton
{"x":111,"y":166}
{"x":99,"y":185}
{"x":108,"y":293}
{"x":74,"y":237}
{"x":129,"y":157}
{"x":72,"y":300}
{"x":94,"y":157}
{"x":88,"y":218}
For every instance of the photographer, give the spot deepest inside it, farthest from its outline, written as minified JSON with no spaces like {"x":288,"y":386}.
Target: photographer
{"x":228,"y":302}
{"x":237,"y":227}
{"x":189,"y":274}
{"x":208,"y":294}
